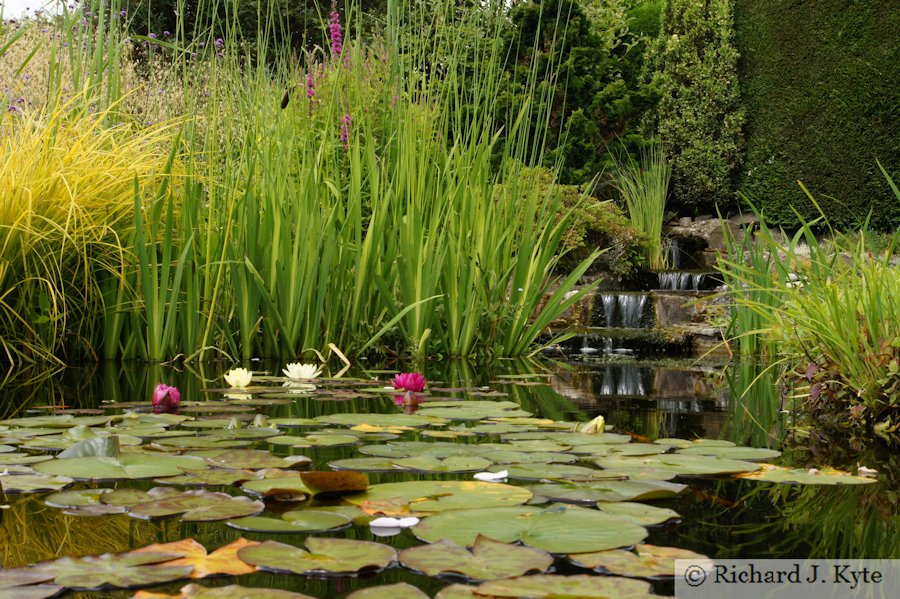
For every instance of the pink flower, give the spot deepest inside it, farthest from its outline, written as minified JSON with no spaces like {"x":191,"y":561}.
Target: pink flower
{"x":166,"y":397}
{"x":409,"y":381}
{"x":334,"y":29}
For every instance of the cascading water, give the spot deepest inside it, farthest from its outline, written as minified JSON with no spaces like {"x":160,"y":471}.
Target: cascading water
{"x":673,"y":253}
{"x":623,"y":310}
{"x":681,"y":281}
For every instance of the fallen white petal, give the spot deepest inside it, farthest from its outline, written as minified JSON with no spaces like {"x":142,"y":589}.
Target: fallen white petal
{"x":491,"y":477}
{"x":386,"y":531}
{"x":394,"y":522}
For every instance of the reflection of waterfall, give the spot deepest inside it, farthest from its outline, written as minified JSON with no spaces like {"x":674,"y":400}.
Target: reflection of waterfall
{"x":604,"y":344}
{"x":681,"y":281}
{"x":622,"y":380}
{"x":624,"y":310}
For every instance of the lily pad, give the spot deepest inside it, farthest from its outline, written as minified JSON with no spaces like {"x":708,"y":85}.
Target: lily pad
{"x":487,"y":560}
{"x":198,"y":506}
{"x":557,"y":472}
{"x":294,"y":422}
{"x":373,"y":464}
{"x":209,"y":442}
{"x":552,"y":586}
{"x":18,"y":459}
{"x":437,"y":496}
{"x":400,"y":590}
{"x":21,"y":583}
{"x":33,"y":483}
{"x":334,"y":482}
{"x":299,"y":521}
{"x":682,"y":465}
{"x":117,"y":570}
{"x":315,"y":440}
{"x":352,"y":419}
{"x":533,"y":457}
{"x":222,"y":561}
{"x":253,"y":459}
{"x":127,"y":466}
{"x":324,"y":555}
{"x":232,"y":591}
{"x":826,"y":476}
{"x":210,"y":477}
{"x":450,"y":464}
{"x":128,"y":496}
{"x":647,"y":561}
{"x":556,"y":529}
{"x":611,"y":491}
{"x":466,"y":411}
{"x":641,"y":513}
{"x":61,"y":421}
{"x":275,"y":482}
{"x":731,"y":452}
{"x":75,"y":498}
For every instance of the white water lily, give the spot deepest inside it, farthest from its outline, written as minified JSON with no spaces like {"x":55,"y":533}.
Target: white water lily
{"x":238,"y":377}
{"x":301,"y":372}
{"x":386,"y":527}
{"x":492,"y":477}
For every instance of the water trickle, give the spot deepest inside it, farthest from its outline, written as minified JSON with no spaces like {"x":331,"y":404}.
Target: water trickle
{"x":623,"y":310}
{"x":673,"y":253}
{"x":681,"y":280}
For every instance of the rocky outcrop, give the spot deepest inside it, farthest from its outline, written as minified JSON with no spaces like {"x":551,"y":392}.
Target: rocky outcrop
{"x":704,"y":239}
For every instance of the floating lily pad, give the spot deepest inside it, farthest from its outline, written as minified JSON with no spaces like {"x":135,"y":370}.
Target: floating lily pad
{"x":449,"y":434}
{"x":334,"y":482}
{"x":325,"y":555}
{"x":557,"y":472}
{"x":22,"y":583}
{"x":210,"y":477}
{"x":118,"y":570}
{"x":75,"y":498}
{"x":209,"y":442}
{"x":198,"y":506}
{"x":557,"y":529}
{"x":643,"y":514}
{"x":570,"y":439}
{"x":731,"y":452}
{"x":232,"y":591}
{"x":60,"y":421}
{"x":316,"y":440}
{"x":451,"y":464}
{"x":647,"y":561}
{"x":623,"y":449}
{"x":487,"y":560}
{"x":467,"y":411}
{"x":33,"y":483}
{"x":682,"y":465}
{"x":6,"y":448}
{"x":825,"y":476}
{"x":407,"y":449}
{"x":374,"y":464}
{"x":253,"y":459}
{"x":305,"y":521}
{"x":533,"y":457}
{"x":222,"y":561}
{"x":90,"y":511}
{"x":18,"y":459}
{"x":494,"y":428}
{"x":400,"y":590}
{"x":611,"y":491}
{"x":128,"y":496}
{"x":437,"y":496}
{"x":294,"y":422}
{"x":275,"y":482}
{"x":127,"y":466}
{"x":552,"y":586}
{"x":351,"y":419}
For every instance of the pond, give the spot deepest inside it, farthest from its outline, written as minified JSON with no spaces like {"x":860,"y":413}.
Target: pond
{"x":656,"y":481}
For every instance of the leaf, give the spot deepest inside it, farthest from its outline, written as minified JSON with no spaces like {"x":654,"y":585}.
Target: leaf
{"x":253,"y":459}
{"x":33,"y":483}
{"x":127,"y":466}
{"x":375,"y":464}
{"x":222,"y":561}
{"x":487,"y":560}
{"x":641,"y":513}
{"x":345,"y":481}
{"x":211,"y":477}
{"x":648,"y":561}
{"x":825,"y":476}
{"x":232,"y":591}
{"x":401,"y":590}
{"x":450,"y":464}
{"x":315,"y":440}
{"x":75,"y":498}
{"x":333,"y":556}
{"x":613,"y":490}
{"x":682,"y":465}
{"x":553,"y":586}
{"x":118,"y":570}
{"x":352,"y":419}
{"x":299,"y":521}
{"x":100,"y":446}
{"x":198,"y":506}
{"x":734,"y":453}
{"x":437,"y":496}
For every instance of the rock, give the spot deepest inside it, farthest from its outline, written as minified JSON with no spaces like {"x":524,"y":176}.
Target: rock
{"x":744,"y":219}
{"x":706,"y":238}
{"x":672,"y":309}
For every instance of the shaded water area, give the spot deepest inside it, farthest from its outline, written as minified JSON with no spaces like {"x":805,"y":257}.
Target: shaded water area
{"x":646,"y":399}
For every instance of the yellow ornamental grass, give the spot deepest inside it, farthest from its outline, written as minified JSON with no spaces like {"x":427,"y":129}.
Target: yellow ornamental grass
{"x":67,"y":181}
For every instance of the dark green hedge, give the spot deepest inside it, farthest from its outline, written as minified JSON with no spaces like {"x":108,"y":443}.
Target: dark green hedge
{"x":819,"y":81}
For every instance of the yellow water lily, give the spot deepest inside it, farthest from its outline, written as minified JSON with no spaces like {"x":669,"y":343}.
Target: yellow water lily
{"x":238,"y":377}
{"x":301,"y":372}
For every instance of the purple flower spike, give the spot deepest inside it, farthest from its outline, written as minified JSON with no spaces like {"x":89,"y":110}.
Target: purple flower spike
{"x":166,"y":398}
{"x":334,"y":29}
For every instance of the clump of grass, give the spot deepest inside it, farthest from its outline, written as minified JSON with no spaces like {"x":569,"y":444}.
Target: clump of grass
{"x":644,"y":186}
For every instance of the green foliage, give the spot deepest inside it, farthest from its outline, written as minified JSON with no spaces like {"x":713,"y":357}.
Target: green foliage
{"x":819,"y":83}
{"x":694,"y":64}
{"x":593,"y":97}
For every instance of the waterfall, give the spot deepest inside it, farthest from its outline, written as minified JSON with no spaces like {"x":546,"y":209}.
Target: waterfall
{"x":673,"y":253}
{"x":681,"y":280}
{"x":624,"y":310}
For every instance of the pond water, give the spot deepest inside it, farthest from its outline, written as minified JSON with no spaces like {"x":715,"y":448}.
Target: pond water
{"x":719,"y":516}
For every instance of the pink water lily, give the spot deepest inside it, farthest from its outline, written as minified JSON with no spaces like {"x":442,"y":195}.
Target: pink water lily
{"x":409,"y":381}
{"x":166,"y":397}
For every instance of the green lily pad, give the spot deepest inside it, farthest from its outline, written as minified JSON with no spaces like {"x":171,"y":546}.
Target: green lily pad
{"x":474,"y":412}
{"x":33,"y":483}
{"x":556,"y":529}
{"x":570,"y":439}
{"x":682,"y":465}
{"x":75,"y":498}
{"x":60,"y":421}
{"x":18,"y":459}
{"x":294,"y":422}
{"x":533,"y":457}
{"x":449,"y":434}
{"x":232,"y":591}
{"x":306,"y":521}
{"x":611,"y":491}
{"x":129,"y":496}
{"x":352,"y":419}
{"x":277,"y":482}
{"x":498,"y":429}
{"x":752,"y":454}
{"x":557,"y":472}
{"x":100,"y":509}
{"x":553,"y":586}
{"x":799,"y":476}
{"x":117,"y":570}
{"x":254,"y":459}
{"x":373,"y":464}
{"x":198,"y":506}
{"x":209,"y":477}
{"x":408,"y":449}
{"x":400,"y":590}
{"x":21,"y":583}
{"x":324,"y":555}
{"x":647,"y":561}
{"x":6,"y":448}
{"x":437,"y":496}
{"x":623,"y":449}
{"x":487,"y":560}
{"x":641,"y":513}
{"x":451,"y":464}
{"x":209,"y":442}
{"x":127,"y":466}
{"x":316,"y":440}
